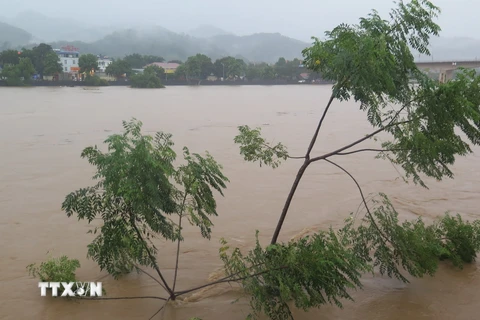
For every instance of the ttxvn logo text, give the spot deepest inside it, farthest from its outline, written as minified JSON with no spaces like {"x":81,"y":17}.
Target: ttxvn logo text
{"x":71,"y":289}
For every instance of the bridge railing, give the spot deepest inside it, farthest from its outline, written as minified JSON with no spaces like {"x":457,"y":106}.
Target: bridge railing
{"x":448,"y":61}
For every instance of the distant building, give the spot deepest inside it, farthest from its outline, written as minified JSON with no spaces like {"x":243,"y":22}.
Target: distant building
{"x":167,"y":66}
{"x":69,"y":59}
{"x":304,"y":76}
{"x":103,"y":62}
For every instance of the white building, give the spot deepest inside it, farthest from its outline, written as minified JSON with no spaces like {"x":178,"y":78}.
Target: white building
{"x":69,"y":59}
{"x":103,"y":63}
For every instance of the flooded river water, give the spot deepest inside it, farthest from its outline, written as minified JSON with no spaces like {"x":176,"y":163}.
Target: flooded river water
{"x":43,"y":131}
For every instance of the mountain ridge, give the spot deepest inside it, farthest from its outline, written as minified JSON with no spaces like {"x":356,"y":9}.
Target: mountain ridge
{"x":47,"y":29}
{"x":30,"y":26}
{"x":11,"y":36}
{"x":208,"y":31}
{"x":260,"y":47}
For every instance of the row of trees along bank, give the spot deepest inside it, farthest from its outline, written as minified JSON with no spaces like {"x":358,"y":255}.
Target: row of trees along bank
{"x":420,"y":125}
{"x":19,"y":67}
{"x":202,"y":67}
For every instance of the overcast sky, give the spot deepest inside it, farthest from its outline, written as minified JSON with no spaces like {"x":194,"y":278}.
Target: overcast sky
{"x":298,"y":19}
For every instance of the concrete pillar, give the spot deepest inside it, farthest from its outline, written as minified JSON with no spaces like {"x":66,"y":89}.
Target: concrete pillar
{"x":442,"y":77}
{"x":446,"y":75}
{"x":449,"y":74}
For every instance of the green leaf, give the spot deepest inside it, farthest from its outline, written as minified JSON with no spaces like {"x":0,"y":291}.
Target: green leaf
{"x":255,"y":148}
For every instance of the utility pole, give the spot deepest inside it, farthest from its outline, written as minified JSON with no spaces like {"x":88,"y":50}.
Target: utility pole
{"x":223,"y":70}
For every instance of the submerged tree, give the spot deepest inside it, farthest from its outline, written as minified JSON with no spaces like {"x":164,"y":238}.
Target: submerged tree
{"x":41,"y":54}
{"x":88,"y":63}
{"x":149,"y":78}
{"x":19,"y":74}
{"x":370,"y":63}
{"x":9,"y":57}
{"x":118,"y":69}
{"x":139,"y":192}
{"x":52,"y":64}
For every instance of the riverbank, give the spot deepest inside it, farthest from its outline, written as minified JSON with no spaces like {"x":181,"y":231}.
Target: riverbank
{"x":167,"y":83}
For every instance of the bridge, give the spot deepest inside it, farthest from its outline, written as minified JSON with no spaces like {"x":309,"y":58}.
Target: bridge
{"x":446,"y":69}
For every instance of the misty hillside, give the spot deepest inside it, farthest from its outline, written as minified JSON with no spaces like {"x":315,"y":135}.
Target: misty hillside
{"x":445,"y":48}
{"x":170,"y":45}
{"x":33,"y":27}
{"x":153,"y":41}
{"x":207,"y":31}
{"x":266,"y":47}
{"x":12,"y":37}
{"x":46,"y":29}
{"x":206,"y":39}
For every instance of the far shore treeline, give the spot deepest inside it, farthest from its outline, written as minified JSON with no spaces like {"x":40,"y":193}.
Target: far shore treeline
{"x":41,"y":63}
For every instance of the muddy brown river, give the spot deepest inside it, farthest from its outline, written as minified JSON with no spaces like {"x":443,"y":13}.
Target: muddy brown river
{"x":43,"y":131}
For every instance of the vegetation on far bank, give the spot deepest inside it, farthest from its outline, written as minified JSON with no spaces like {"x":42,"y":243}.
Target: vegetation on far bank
{"x":140,"y":192}
{"x":195,"y":68}
{"x":94,"y":81}
{"x":19,"y":67}
{"x":201,"y":67}
{"x":149,"y":78}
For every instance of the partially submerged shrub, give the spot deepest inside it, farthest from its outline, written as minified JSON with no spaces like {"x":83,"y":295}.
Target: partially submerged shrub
{"x":461,"y":239}
{"x":95,"y":81}
{"x":55,"y":270}
{"x":147,"y":80}
{"x":322,"y":268}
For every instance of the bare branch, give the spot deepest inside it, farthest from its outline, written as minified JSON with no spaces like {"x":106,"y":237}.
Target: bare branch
{"x":273,"y":149}
{"x":178,"y":255}
{"x":390,"y":124}
{"x":363,"y":150}
{"x":354,"y":180}
{"x":363,"y":197}
{"x":221,"y":280}
{"x":121,"y":298}
{"x":178,"y":242}
{"x":315,"y":135}
{"x":368,"y":136}
{"x":152,"y":258}
{"x":307,"y":162}
{"x":148,"y":274}
{"x":300,"y":173}
{"x":162,"y":308}
{"x":283,"y":215}
{"x":228,"y":279}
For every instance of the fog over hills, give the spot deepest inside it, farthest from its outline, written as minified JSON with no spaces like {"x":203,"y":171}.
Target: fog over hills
{"x":30,"y":27}
{"x":453,"y":48}
{"x":207,"y":31}
{"x":12,"y":37}
{"x":154,"y":40}
{"x":171,"y":45}
{"x":46,"y":29}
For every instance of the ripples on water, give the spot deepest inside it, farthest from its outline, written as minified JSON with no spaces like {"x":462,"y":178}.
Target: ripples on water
{"x":42,"y":133}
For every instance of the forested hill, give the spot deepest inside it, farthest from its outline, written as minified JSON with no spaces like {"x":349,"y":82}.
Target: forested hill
{"x":265,"y":47}
{"x":11,"y":37}
{"x":29,"y":27}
